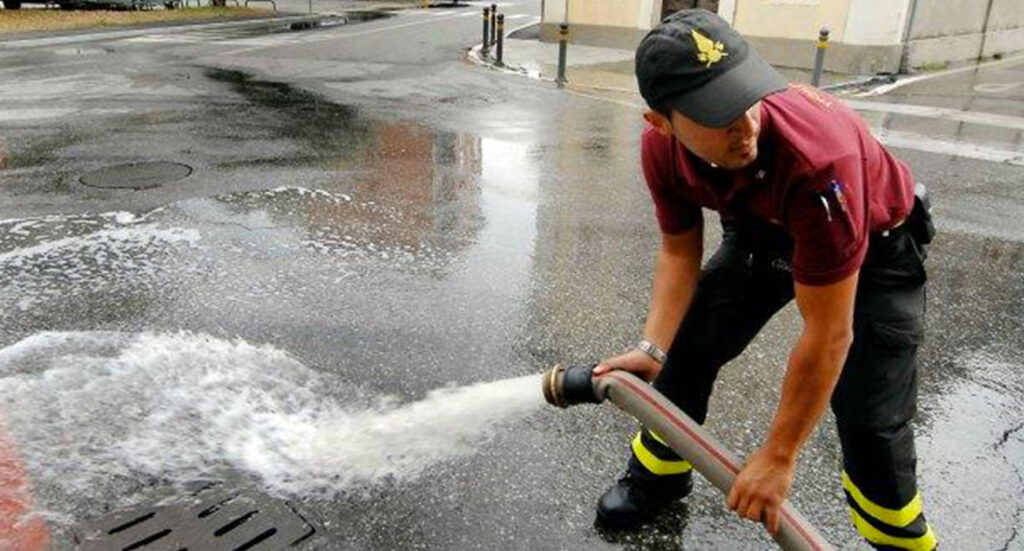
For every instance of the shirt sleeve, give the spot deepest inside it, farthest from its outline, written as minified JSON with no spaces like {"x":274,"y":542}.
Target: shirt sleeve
{"x":828,"y":221}
{"x":676,"y":214}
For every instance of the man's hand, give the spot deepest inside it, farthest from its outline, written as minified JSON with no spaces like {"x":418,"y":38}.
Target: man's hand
{"x":761,"y":487}
{"x":635,"y":361}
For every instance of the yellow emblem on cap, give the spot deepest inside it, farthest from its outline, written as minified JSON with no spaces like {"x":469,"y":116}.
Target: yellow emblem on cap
{"x":709,"y":51}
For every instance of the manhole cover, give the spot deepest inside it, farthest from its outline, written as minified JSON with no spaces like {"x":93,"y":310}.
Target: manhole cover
{"x":136,"y":175}
{"x":214,"y":520}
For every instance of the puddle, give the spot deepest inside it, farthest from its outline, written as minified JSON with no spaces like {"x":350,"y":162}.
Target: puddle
{"x":320,"y":127}
{"x":47,"y":259}
{"x":303,"y":234}
{"x":972,"y":456}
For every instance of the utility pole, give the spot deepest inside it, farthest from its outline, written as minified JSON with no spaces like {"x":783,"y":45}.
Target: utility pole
{"x":984,"y":29}
{"x":908,"y":30}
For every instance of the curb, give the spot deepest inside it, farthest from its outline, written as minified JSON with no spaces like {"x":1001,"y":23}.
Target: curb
{"x":877,"y":80}
{"x":910,"y":79}
{"x":473,"y":54}
{"x":58,"y":39}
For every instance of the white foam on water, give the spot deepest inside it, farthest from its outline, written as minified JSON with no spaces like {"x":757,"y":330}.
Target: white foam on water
{"x":90,"y":409}
{"x":141,"y":236}
{"x":54,"y":256}
{"x":307,"y":191}
{"x":119,"y":216}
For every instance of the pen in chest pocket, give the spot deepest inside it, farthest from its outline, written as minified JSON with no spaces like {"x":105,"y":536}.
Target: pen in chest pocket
{"x":833,"y":193}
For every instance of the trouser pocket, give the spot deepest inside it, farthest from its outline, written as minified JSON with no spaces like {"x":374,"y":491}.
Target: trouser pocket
{"x":878,"y":386}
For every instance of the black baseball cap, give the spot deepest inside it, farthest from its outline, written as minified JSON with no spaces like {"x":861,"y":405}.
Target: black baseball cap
{"x":696,"y":63}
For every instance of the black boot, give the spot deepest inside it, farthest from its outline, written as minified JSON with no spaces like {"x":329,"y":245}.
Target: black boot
{"x":636,"y":499}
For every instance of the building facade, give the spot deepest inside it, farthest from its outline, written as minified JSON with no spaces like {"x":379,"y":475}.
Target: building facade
{"x":867,"y":36}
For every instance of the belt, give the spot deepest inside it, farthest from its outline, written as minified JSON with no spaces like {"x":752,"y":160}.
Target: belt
{"x":897,"y":225}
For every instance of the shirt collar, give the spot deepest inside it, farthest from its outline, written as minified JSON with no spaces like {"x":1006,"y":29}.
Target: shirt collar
{"x":726,"y":185}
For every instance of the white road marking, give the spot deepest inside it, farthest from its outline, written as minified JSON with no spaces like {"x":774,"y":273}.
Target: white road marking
{"x":535,"y":19}
{"x":996,"y":87}
{"x":15,"y":115}
{"x":928,"y":112}
{"x":35,"y":114}
{"x":911,"y":80}
{"x":917,"y":142}
{"x":38,"y":66}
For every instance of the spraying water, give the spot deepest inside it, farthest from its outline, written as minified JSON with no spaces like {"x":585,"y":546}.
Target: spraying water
{"x":90,"y":409}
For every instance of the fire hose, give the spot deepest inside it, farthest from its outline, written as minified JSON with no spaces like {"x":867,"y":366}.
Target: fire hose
{"x":564,"y":387}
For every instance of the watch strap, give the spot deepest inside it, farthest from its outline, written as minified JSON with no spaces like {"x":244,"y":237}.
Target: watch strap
{"x":652,"y":350}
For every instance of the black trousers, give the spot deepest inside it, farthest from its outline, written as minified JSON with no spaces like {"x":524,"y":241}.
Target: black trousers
{"x":738,"y":292}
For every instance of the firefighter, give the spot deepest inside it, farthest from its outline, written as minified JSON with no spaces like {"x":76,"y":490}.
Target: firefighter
{"x":812,"y":208}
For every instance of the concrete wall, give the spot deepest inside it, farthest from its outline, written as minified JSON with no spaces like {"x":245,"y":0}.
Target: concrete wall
{"x":609,"y":23}
{"x":876,"y":23}
{"x":636,"y":14}
{"x":864,"y":34}
{"x":963,"y":30}
{"x":795,"y":19}
{"x":607,"y":36}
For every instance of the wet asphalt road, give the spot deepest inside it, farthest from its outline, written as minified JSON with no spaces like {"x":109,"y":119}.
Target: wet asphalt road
{"x":399,"y":220}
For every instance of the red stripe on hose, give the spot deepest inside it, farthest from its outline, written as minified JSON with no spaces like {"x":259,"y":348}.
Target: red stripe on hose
{"x":645,"y":393}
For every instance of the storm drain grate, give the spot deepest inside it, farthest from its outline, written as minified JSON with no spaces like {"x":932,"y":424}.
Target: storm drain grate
{"x":136,"y":175}
{"x":212,"y":521}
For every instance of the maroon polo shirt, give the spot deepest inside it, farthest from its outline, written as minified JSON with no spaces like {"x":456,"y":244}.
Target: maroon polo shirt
{"x":820,"y":178}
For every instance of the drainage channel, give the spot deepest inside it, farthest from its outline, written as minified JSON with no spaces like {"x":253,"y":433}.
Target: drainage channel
{"x":213,"y":519}
{"x":312,"y":23}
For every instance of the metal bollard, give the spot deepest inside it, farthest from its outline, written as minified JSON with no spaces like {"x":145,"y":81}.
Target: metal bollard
{"x":494,"y":22}
{"x":501,"y":39}
{"x":563,"y":41}
{"x":487,"y":33}
{"x":819,"y":56}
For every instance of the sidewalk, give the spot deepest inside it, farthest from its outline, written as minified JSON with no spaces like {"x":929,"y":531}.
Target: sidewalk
{"x":53,"y":38}
{"x":607,"y":72}
{"x":288,"y":12}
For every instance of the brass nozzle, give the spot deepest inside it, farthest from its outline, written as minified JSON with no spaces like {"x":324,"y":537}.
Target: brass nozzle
{"x":551,"y":384}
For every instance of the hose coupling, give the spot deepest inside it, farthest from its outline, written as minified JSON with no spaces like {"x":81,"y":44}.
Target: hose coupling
{"x":564,"y":387}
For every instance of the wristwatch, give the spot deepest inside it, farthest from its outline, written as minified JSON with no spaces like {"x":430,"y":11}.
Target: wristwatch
{"x":652,"y":350}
